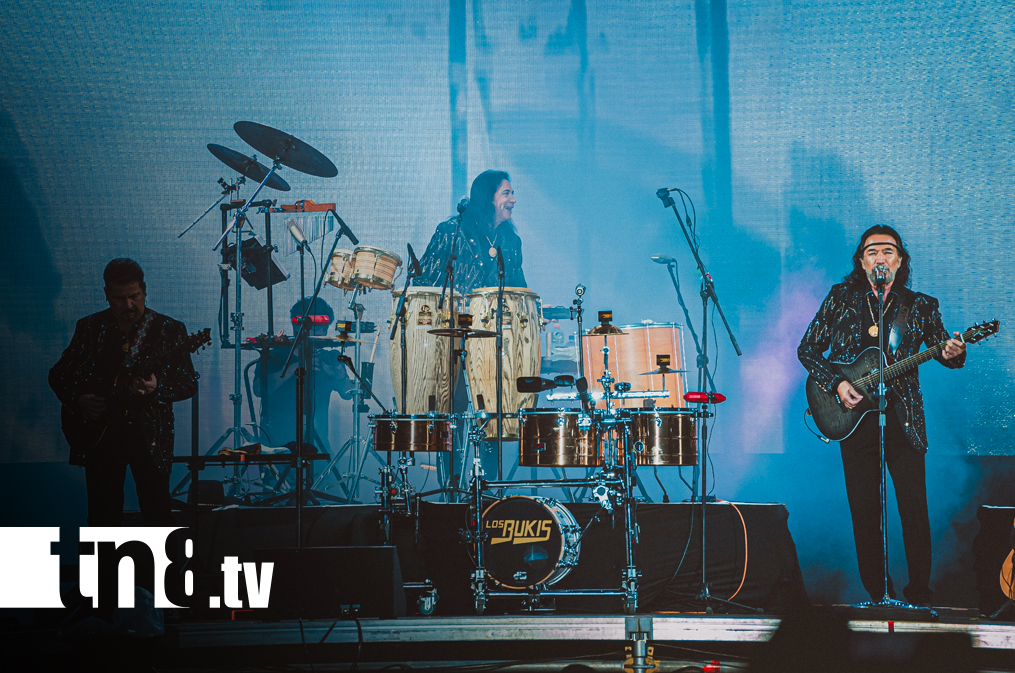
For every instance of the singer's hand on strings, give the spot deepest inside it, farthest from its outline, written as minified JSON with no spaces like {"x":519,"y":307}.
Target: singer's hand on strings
{"x":848,"y":394}
{"x":953,"y":347}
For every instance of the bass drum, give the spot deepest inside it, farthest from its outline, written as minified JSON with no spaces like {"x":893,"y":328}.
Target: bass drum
{"x":556,"y":438}
{"x":529,"y":541}
{"x":522,"y":323}
{"x":427,"y":354}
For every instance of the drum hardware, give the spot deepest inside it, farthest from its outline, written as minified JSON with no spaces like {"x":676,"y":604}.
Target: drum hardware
{"x":707,"y":292}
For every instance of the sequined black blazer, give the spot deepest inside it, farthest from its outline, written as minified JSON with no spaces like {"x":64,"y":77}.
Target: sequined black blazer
{"x":836,"y":329}
{"x":94,"y":357}
{"x":474,"y":267}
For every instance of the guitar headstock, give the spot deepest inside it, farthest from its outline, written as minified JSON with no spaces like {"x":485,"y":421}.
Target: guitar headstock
{"x":981,"y":331}
{"x":197,"y":340}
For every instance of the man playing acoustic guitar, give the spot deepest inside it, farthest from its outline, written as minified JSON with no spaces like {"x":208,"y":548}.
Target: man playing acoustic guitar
{"x":846,"y":325}
{"x":117,"y":380}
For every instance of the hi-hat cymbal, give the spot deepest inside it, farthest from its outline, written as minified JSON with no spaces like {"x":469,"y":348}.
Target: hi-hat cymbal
{"x":341,"y":337}
{"x":288,"y":150}
{"x":461,"y":332}
{"x":599,"y":330}
{"x":246,"y":166}
{"x":663,"y":370}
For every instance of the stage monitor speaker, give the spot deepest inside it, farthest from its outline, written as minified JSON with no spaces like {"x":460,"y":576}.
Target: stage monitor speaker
{"x":334,"y":582}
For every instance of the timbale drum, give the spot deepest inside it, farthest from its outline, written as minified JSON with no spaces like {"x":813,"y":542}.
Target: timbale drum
{"x":557,"y":438}
{"x":529,"y":541}
{"x":414,"y":433}
{"x":522,"y":324}
{"x":663,"y":437}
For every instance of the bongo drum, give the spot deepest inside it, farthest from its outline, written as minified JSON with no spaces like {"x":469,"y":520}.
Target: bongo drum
{"x":375,"y":269}
{"x":342,"y":263}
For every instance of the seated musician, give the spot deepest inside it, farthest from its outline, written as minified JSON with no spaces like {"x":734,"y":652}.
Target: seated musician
{"x":486,"y":225}
{"x":278,"y":415}
{"x":846,"y":325}
{"x":139,"y":429}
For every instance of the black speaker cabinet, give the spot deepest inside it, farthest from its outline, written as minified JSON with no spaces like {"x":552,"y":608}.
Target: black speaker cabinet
{"x":335,"y":582}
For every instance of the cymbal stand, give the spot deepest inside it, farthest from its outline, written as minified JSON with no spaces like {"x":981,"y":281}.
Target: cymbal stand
{"x":707,"y":292}
{"x":500,"y":363}
{"x":227,"y":189}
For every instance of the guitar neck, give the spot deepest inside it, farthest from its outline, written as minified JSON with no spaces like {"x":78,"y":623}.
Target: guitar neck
{"x":904,"y":365}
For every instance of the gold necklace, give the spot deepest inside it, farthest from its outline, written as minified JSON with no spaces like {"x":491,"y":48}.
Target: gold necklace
{"x":873,"y":329}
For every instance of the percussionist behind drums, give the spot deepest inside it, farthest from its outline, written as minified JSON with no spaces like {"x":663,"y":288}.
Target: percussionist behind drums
{"x":485,"y":226}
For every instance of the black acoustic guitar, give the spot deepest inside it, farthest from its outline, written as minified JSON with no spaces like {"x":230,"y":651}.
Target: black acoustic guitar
{"x":834,"y":420}
{"x":83,"y":433}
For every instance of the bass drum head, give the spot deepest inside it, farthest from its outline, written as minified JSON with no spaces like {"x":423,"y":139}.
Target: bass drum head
{"x":529,"y":541}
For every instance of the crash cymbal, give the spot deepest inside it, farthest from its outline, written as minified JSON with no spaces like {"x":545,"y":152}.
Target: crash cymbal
{"x":341,"y":337}
{"x":247,"y":166}
{"x":461,"y":332}
{"x":600,"y":330}
{"x":288,"y":150}
{"x":663,"y":370}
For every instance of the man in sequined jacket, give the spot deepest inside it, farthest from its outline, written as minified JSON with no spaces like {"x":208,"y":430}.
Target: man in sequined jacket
{"x":141,"y":433}
{"x":486,"y":225}
{"x":846,"y":325}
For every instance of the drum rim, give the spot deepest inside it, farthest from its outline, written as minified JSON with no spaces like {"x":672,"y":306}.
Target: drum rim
{"x":423,"y":289}
{"x":663,"y":411}
{"x":339,"y":251}
{"x":563,"y":547}
{"x":534,"y":411}
{"x":410,"y":417}
{"x":649,"y":325}
{"x":480,"y":291}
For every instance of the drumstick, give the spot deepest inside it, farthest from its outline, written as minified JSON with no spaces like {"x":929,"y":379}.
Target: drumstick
{"x":374,"y":351}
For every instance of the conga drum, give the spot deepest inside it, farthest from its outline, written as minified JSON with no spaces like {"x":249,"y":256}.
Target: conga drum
{"x":634,"y":353}
{"x":427,"y":355}
{"x":522,"y":348}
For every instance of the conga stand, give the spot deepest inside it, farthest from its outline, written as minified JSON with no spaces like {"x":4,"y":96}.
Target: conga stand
{"x":707,"y":292}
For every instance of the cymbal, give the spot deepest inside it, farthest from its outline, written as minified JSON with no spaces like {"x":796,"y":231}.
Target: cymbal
{"x":287,"y":149}
{"x":340,"y":337}
{"x":461,"y":332}
{"x":599,"y":330}
{"x":246,"y":166}
{"x":663,"y":370}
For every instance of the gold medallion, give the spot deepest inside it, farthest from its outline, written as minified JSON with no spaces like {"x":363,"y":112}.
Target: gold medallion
{"x":126,"y":348}
{"x":493,"y":252}
{"x":873,"y":331}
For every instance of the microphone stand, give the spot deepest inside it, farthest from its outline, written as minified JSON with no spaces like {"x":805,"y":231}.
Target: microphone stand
{"x":707,"y":292}
{"x":500,"y":363}
{"x":449,"y":283}
{"x":886,"y":600}
{"x":400,"y":318}
{"x":671,"y":266}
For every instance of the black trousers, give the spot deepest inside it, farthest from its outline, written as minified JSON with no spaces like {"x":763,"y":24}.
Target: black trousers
{"x":106,"y":472}
{"x":861,"y":464}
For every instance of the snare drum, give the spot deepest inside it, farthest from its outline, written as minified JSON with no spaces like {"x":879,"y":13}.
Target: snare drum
{"x":557,"y":438}
{"x":342,"y":263}
{"x":427,"y":355}
{"x":417,"y":433}
{"x":521,"y":345}
{"x":375,"y":268}
{"x":663,"y":437}
{"x":529,"y":541}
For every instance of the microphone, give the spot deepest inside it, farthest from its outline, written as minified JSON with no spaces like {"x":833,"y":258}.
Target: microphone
{"x":662,"y":259}
{"x":463,"y":204}
{"x":500,"y":262}
{"x":297,"y":233}
{"x":880,"y":274}
{"x":344,"y":228}
{"x":582,"y":386}
{"x":414,"y":263}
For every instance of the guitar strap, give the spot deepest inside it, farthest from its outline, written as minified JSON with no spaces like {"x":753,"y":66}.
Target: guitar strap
{"x":898,"y":327}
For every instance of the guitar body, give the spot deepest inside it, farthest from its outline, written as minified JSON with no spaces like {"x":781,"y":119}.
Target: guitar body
{"x":83,"y":433}
{"x":833,"y":419}
{"x":1008,"y":574}
{"x":837,"y":422}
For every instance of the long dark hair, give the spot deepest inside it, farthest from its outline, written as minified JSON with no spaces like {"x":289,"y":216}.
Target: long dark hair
{"x":480,"y":212}
{"x":859,"y":277}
